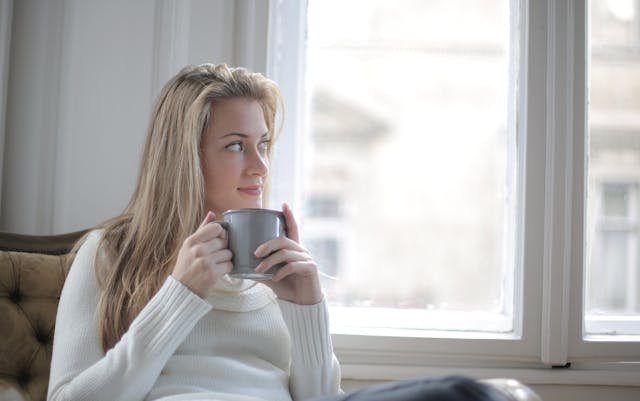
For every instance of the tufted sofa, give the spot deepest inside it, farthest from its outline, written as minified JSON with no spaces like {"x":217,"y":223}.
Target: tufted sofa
{"x":32,"y":272}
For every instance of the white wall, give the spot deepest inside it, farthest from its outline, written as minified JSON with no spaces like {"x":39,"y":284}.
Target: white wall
{"x":81,"y":77}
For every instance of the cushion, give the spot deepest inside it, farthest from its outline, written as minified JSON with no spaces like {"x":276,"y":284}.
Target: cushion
{"x":32,"y":274}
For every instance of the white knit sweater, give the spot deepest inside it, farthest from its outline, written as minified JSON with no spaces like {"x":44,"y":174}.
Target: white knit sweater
{"x":247,"y":346}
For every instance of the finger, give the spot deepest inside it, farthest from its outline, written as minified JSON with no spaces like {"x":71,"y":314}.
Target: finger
{"x":221,"y":256}
{"x":208,"y":232}
{"x":275,"y":244}
{"x":218,"y":243}
{"x":222,"y":268}
{"x":292,"y":225}
{"x":303,"y":268}
{"x":205,"y":249}
{"x":283,"y":256}
{"x":217,"y":261}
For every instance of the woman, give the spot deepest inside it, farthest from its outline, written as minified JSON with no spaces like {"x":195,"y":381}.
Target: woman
{"x":147,"y":311}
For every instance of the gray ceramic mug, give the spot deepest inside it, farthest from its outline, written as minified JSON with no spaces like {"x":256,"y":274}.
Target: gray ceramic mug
{"x":246,"y":230}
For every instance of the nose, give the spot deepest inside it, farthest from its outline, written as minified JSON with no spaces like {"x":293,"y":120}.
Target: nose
{"x":257,"y":163}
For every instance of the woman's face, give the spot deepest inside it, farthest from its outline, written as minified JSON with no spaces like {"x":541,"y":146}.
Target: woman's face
{"x":234,"y":155}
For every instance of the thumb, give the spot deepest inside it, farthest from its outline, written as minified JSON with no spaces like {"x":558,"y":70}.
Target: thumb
{"x":290,"y":221}
{"x":208,"y":218}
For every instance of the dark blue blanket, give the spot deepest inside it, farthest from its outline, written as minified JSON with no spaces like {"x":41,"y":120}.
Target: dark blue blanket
{"x":449,"y":388}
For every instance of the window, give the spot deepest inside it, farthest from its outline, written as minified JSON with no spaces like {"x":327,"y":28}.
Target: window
{"x":613,"y":282}
{"x":323,"y":206}
{"x":561,"y":213}
{"x":410,"y":132}
{"x":325,"y":252}
{"x":612,"y":304}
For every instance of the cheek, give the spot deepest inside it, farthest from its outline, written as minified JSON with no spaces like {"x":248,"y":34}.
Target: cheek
{"x":222,"y":173}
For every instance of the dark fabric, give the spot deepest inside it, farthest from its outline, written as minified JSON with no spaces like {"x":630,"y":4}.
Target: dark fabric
{"x":448,"y":388}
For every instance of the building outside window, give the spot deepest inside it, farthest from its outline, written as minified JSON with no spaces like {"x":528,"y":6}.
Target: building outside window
{"x":613,"y":278}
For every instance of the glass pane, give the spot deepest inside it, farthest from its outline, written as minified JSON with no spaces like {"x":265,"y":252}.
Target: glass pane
{"x":608,"y":292}
{"x":616,"y":201}
{"x":411,"y":160}
{"x":612,"y":300}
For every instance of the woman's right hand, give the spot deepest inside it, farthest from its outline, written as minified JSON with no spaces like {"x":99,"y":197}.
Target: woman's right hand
{"x":203,"y":258}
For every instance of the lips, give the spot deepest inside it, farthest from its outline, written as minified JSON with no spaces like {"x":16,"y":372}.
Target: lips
{"x":253,"y":190}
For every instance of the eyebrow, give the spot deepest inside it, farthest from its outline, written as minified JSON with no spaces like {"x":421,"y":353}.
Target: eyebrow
{"x":266,"y":134}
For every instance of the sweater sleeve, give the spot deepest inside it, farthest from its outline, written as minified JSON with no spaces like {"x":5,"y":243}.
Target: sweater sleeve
{"x":315,"y":370}
{"x":80,"y":370}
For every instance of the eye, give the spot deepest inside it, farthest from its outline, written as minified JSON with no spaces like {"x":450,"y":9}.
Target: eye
{"x":235,"y":147}
{"x":264,"y":145}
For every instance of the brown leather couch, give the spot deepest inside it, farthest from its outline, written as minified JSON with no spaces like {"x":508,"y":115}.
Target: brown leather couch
{"x":32,"y":273}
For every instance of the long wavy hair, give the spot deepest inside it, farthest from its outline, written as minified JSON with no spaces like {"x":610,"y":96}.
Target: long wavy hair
{"x":139,"y":248}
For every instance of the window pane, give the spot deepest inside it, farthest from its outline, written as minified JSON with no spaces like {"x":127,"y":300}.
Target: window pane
{"x":608,"y":290}
{"x":410,"y":179}
{"x":616,"y":202}
{"x":612,"y":300}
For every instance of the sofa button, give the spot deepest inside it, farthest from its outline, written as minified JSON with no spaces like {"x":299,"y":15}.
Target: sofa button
{"x":42,"y":337}
{"x":15,"y":296}
{"x":23,"y":378}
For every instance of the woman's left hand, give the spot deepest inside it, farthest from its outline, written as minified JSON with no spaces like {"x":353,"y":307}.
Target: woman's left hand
{"x":297,"y":280}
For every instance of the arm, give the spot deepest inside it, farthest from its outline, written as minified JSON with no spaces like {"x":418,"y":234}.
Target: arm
{"x":79,"y":368}
{"x":314,"y":368}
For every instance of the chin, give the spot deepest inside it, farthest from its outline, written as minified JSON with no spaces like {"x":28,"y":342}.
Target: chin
{"x":248,"y":205}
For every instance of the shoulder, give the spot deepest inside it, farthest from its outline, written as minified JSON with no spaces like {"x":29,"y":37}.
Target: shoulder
{"x":88,"y":244}
{"x":93,"y":237}
{"x":81,"y":282}
{"x":85,"y":255}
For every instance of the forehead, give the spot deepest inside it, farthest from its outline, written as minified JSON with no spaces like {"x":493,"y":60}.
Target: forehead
{"x":237,"y":115}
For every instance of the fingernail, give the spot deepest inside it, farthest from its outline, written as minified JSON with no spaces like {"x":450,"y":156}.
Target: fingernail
{"x":258,"y":251}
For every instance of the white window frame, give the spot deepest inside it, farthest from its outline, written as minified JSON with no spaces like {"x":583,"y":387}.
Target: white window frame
{"x":552,"y":125}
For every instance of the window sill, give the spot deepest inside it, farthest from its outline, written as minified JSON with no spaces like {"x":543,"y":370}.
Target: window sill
{"x":610,"y":375}
{"x":388,"y":358}
{"x":420,"y":322}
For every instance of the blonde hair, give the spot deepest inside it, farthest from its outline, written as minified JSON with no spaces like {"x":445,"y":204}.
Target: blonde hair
{"x":139,"y":248}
